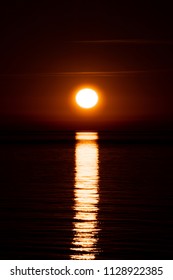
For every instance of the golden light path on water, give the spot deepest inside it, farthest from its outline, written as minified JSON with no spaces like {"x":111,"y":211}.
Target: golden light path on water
{"x":86,"y":197}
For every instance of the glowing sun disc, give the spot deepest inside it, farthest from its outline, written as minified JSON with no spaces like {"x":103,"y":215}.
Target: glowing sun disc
{"x":86,"y":98}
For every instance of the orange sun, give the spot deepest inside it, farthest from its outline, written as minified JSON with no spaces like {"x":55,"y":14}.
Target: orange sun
{"x":87,"y":98}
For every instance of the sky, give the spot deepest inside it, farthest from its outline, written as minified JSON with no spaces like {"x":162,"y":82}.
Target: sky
{"x":49,"y":50}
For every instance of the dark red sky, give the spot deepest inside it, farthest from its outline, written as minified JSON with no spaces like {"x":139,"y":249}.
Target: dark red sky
{"x":46,"y":50}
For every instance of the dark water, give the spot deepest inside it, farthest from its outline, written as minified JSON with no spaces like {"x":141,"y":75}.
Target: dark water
{"x":86,"y":199}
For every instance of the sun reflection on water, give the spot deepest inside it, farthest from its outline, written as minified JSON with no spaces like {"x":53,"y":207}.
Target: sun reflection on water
{"x":86,"y":197}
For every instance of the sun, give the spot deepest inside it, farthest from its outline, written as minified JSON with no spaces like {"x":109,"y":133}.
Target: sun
{"x":86,"y":98}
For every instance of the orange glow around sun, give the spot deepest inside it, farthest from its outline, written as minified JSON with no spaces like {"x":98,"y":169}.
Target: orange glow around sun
{"x":86,"y":98}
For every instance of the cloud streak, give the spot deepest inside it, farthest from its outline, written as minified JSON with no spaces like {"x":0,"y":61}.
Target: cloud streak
{"x":88,"y":73}
{"x":127,"y":42}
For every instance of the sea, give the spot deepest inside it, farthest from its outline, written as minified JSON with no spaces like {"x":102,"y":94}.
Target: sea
{"x":86,"y":196}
